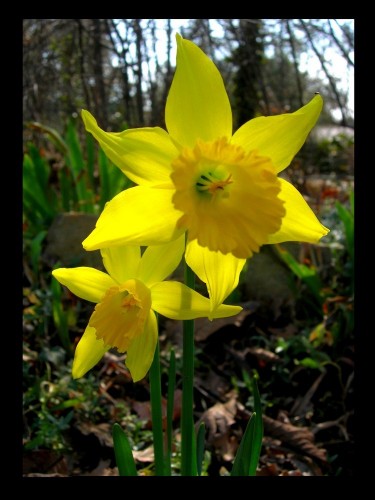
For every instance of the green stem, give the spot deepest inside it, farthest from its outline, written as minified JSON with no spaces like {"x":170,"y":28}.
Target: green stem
{"x":188,"y":459}
{"x":170,"y":410}
{"x":156,"y":412}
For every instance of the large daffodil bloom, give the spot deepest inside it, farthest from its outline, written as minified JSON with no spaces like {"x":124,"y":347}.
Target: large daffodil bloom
{"x":126,"y":299}
{"x":221,"y":188}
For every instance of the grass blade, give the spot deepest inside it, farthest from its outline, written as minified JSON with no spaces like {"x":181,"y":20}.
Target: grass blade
{"x":59,"y":317}
{"x":188,"y":453}
{"x":90,"y":149}
{"x":67,"y":191}
{"x":241,"y":464}
{"x":77,"y":165}
{"x":200,"y":447}
{"x":347,"y":218}
{"x":247,"y":457}
{"x":306,"y":274}
{"x":34,"y":194}
{"x":170,"y":409}
{"x":156,"y":412}
{"x":258,"y":431}
{"x":123,"y":452}
{"x":35,"y":251}
{"x":41,"y":170}
{"x":55,"y":137}
{"x":104,"y":180}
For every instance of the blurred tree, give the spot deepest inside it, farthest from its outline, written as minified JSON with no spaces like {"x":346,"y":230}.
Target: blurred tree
{"x":99,"y":87}
{"x":249,"y":90}
{"x":121,"y":69}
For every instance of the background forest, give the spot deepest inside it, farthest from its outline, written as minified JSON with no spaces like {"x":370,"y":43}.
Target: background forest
{"x":296,"y":330}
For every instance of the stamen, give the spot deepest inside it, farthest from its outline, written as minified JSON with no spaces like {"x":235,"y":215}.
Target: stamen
{"x":219,"y":185}
{"x":228,"y":197}
{"x":130,"y":301}
{"x":208,"y":182}
{"x":121,"y":314}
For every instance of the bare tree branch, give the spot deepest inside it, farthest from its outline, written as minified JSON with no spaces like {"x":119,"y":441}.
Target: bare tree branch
{"x":340,"y":46}
{"x":295,"y":62}
{"x":326,"y":72}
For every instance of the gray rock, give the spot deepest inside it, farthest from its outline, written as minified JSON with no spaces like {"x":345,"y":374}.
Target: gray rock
{"x":64,"y":241}
{"x":267,"y":279}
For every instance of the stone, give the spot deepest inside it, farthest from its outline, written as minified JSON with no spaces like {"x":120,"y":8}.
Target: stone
{"x":64,"y":241}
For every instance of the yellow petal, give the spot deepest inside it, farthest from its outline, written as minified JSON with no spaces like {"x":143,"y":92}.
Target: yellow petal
{"x":280,"y":137}
{"x":143,"y":154}
{"x":159,"y":261}
{"x":89,"y":351}
{"x":121,"y":262}
{"x":220,"y":272}
{"x":137,"y":216}
{"x":175,"y":300}
{"x":85,"y":282}
{"x":197,"y":104}
{"x":300,"y":222}
{"x":142,"y":349}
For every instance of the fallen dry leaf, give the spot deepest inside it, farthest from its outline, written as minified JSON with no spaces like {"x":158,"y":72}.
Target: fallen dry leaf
{"x":37,"y":474}
{"x":143,"y":409}
{"x":291,"y":473}
{"x":211,"y":383}
{"x":103,"y":469}
{"x":204,"y":327}
{"x":301,"y":404}
{"x":286,"y":333}
{"x":262,"y":355}
{"x":270,"y":469}
{"x":218,"y":421}
{"x":145,"y":456}
{"x":44,"y":462}
{"x":102,"y":431}
{"x":300,"y":439}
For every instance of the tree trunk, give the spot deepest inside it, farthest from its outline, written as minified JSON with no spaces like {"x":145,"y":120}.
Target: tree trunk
{"x":138,"y":72}
{"x":97,"y":64}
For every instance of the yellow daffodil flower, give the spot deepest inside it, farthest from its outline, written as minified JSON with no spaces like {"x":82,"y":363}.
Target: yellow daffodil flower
{"x":221,"y":188}
{"x":126,"y":299}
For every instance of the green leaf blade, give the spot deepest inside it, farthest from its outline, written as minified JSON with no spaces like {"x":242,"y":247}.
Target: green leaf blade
{"x":123,"y":452}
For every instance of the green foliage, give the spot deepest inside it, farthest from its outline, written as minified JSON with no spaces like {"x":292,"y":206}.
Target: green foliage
{"x":35,"y":252}
{"x":60,"y":317}
{"x":123,"y":452}
{"x":333,"y":320}
{"x":300,"y":350}
{"x":247,"y":457}
{"x":347,"y":217}
{"x":200,"y":447}
{"x":81,"y":177}
{"x":39,"y":202}
{"x":61,"y":174}
{"x":51,"y":400}
{"x":77,"y":177}
{"x":307,"y":274}
{"x":330,"y":154}
{"x":170,"y":409}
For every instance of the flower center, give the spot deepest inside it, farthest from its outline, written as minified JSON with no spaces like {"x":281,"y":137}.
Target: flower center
{"x":121,"y":314}
{"x":209,"y":183}
{"x":229,"y":197}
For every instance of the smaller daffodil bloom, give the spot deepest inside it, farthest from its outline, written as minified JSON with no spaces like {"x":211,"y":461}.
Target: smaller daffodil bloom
{"x":126,"y":297}
{"x":220,"y":188}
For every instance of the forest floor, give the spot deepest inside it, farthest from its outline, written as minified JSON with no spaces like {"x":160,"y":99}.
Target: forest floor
{"x":303,"y":355}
